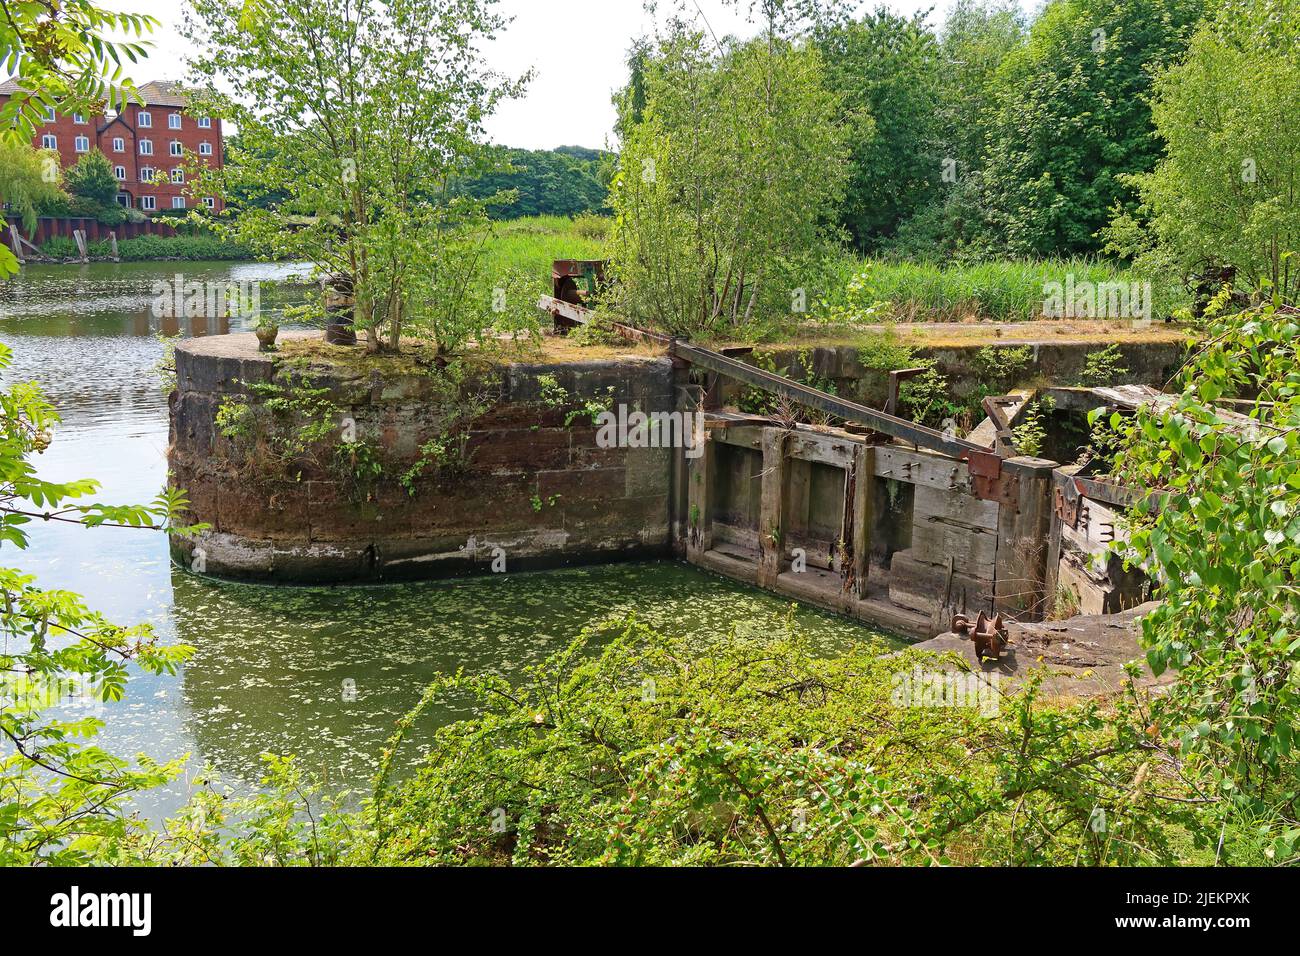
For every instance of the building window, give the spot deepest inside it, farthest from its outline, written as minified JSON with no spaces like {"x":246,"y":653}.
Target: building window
{"x":205,"y":122}
{"x":205,"y":149}
{"x":178,"y":175}
{"x":176,"y":148}
{"x":146,"y":174}
{"x":144,"y":120}
{"x":79,"y":119}
{"x":148,"y":202}
{"x":209,"y":202}
{"x":49,"y":142}
{"x":124,"y":199}
{"x":120,"y":172}
{"x":146,"y":147}
{"x":81,"y":144}
{"x":178,"y":202}
{"x":49,"y":114}
{"x":173,"y":120}
{"x":119,"y":144}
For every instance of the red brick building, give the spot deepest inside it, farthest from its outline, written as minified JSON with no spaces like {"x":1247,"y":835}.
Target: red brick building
{"x":145,"y":144}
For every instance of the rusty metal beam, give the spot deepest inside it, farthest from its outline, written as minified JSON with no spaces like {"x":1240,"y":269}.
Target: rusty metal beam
{"x":806,"y":395}
{"x":876,"y":420}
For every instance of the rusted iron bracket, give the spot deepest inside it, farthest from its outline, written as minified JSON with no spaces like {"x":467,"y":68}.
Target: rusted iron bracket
{"x":989,"y":480}
{"x":1067,"y":506}
{"x":1071,"y":494}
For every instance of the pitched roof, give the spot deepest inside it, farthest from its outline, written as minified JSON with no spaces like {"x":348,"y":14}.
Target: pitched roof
{"x":153,"y":93}
{"x":159,"y":93}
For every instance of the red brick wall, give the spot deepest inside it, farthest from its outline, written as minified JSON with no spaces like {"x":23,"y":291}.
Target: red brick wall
{"x":160,"y":135}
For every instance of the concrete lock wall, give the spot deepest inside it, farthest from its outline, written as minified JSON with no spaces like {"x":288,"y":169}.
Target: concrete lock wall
{"x":539,"y":490}
{"x":852,"y":522}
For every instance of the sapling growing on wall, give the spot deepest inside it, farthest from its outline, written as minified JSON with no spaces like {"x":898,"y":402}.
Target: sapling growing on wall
{"x":360,"y":118}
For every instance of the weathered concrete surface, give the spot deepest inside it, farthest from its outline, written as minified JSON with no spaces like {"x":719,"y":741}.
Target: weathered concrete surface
{"x":1060,"y":361}
{"x":540,"y":491}
{"x":1083,"y":656}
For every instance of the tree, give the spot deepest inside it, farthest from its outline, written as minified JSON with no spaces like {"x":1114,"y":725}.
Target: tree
{"x":61,"y":798}
{"x":1227,"y":192}
{"x":977,"y":38}
{"x":560,"y":182}
{"x":363,"y":116}
{"x":1224,"y":547}
{"x":60,"y":57}
{"x":885,"y":71}
{"x":726,"y":184}
{"x":29,"y":178}
{"x":1072,"y":119}
{"x":91,"y":177}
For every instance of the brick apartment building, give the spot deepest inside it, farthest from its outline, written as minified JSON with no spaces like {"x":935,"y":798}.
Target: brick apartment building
{"x":144,"y":143}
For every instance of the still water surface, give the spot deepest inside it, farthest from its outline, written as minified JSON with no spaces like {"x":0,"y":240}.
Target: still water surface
{"x":270,"y":664}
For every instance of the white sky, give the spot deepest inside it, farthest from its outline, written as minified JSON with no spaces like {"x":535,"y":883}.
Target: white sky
{"x":575,"y":47}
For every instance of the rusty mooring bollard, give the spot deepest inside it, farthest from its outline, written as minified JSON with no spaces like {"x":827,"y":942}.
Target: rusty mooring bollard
{"x":990,"y":634}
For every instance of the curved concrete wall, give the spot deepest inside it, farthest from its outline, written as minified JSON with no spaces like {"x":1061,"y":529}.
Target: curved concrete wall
{"x":541,"y":492}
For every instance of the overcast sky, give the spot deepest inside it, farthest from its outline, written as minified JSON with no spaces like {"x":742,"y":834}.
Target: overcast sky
{"x":575,"y":47}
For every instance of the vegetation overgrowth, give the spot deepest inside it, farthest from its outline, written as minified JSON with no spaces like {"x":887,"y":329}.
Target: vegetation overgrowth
{"x":747,"y":165}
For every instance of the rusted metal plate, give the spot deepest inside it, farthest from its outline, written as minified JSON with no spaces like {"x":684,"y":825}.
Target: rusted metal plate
{"x":1066,"y":505}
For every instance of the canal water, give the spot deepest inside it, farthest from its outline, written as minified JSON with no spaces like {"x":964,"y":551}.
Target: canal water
{"x":321,"y":673}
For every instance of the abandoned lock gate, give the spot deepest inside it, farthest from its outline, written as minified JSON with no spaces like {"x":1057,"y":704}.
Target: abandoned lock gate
{"x":875,"y":516}
{"x":884,"y":519}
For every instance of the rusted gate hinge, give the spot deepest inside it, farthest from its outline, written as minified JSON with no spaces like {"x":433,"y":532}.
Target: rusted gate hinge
{"x":989,"y":482}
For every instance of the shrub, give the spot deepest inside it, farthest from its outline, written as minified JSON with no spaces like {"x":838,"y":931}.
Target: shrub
{"x":91,"y":177}
{"x":631,"y":748}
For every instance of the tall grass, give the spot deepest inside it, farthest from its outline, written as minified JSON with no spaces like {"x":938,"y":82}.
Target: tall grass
{"x":529,"y":245}
{"x":1003,"y":291}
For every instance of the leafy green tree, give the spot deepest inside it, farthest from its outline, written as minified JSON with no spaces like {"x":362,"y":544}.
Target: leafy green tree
{"x":726,"y":185}
{"x":1224,"y":547}
{"x":977,"y":38}
{"x":362,"y":116}
{"x":1225,"y":194}
{"x":885,"y":71}
{"x":61,"y":798}
{"x":559,"y":182}
{"x":1073,"y":119}
{"x":61,"y":56}
{"x":29,"y":179}
{"x":91,"y":177}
